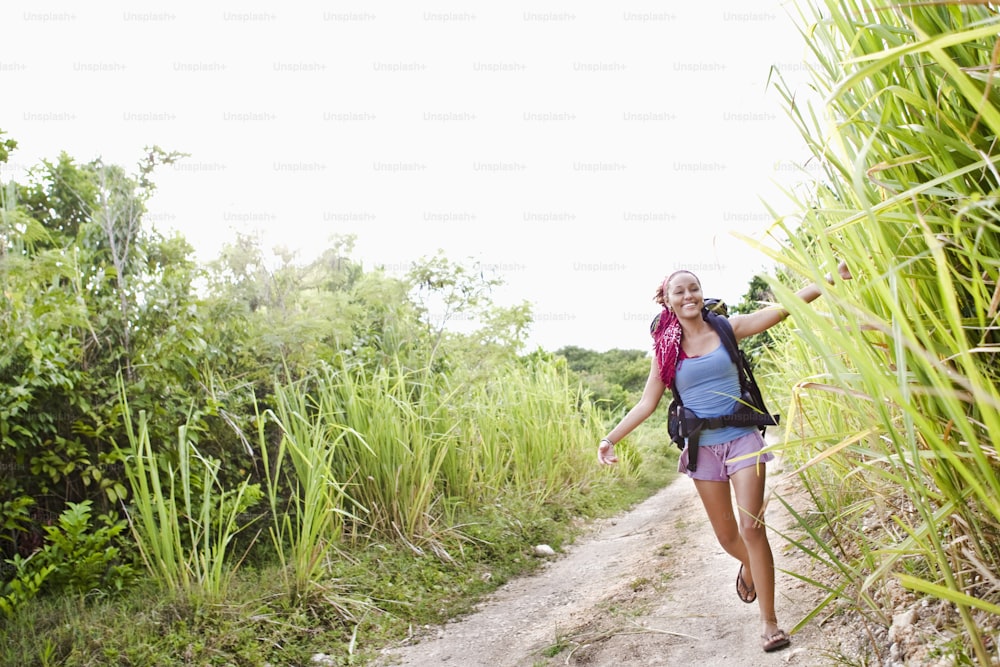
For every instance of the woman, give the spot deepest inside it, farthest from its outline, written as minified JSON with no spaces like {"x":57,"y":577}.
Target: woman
{"x":690,"y":354}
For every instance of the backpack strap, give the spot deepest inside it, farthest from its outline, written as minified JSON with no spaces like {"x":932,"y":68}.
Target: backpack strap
{"x":748,"y":383}
{"x":726,"y":334}
{"x":724,"y":329}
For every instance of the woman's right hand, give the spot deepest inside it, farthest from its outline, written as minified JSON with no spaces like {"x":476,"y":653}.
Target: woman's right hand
{"x":606,"y":453}
{"x":843,"y":271}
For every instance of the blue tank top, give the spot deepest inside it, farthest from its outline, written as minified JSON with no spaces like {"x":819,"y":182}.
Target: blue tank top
{"x":709,"y":385}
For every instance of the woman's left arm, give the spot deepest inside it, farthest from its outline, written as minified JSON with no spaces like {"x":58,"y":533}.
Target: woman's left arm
{"x":747,"y":325}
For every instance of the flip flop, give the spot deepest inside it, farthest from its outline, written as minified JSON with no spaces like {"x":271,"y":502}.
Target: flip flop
{"x":776,"y":641}
{"x":746,"y":593}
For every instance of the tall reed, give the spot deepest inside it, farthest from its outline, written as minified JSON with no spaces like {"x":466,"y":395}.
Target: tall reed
{"x":393,"y":452}
{"x":894,"y":406}
{"x":528,"y":429}
{"x":306,"y":498}
{"x":182,"y":518}
{"x":393,"y":456}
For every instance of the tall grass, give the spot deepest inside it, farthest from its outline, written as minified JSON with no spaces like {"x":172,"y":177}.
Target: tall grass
{"x":181,"y":517}
{"x":895,"y":407}
{"x":394,"y":456}
{"x":307,"y":501}
{"x":394,"y":453}
{"x":528,"y":430}
{"x":351,"y":453}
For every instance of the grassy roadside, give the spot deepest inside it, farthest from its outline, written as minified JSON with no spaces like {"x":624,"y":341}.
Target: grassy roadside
{"x":374,"y":593}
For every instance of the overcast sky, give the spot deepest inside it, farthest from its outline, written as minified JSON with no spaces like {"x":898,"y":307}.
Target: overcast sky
{"x":580,"y":150}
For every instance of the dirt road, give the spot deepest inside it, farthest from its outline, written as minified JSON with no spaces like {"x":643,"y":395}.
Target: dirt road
{"x":648,"y":587}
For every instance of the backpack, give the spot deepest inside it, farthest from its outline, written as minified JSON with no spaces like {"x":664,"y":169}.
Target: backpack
{"x":684,"y":427}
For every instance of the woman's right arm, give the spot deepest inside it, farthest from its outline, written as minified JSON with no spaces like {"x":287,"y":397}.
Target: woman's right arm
{"x":651,"y":395}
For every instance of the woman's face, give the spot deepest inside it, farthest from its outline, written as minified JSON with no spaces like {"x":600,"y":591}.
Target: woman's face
{"x":683,"y":294}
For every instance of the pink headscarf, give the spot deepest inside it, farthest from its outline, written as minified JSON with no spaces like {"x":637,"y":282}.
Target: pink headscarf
{"x":667,"y":345}
{"x":667,"y":336}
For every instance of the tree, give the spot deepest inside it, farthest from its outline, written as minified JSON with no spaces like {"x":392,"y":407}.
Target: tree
{"x":6,"y":146}
{"x":90,"y":290}
{"x":616,"y":378}
{"x":468,"y":330}
{"x":61,"y":195}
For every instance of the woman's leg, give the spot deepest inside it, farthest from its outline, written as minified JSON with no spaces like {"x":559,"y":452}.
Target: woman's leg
{"x":718,"y":502}
{"x":748,"y":485}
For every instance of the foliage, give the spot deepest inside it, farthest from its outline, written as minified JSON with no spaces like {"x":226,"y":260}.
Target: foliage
{"x":6,"y":146}
{"x":76,"y":558}
{"x":61,"y":196}
{"x":895,"y":390}
{"x":531,"y":431}
{"x":83,"y":558}
{"x":146,"y":391}
{"x":182,"y":518}
{"x":288,"y":315}
{"x":88,"y":291}
{"x":446,"y":290}
{"x":393,"y":453}
{"x":468,"y":333}
{"x":310,"y":520}
{"x":394,"y":589}
{"x":615,"y":378}
{"x":21,"y":585}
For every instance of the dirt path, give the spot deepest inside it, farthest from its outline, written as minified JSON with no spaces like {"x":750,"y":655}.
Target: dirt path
{"x":648,"y":587}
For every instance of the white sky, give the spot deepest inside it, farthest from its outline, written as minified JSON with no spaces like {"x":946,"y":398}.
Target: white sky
{"x":582,"y":150}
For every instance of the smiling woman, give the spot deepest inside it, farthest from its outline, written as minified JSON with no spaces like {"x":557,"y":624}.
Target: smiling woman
{"x":690,"y":359}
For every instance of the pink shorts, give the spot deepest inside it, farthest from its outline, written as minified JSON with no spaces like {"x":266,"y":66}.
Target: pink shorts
{"x":715,"y":462}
